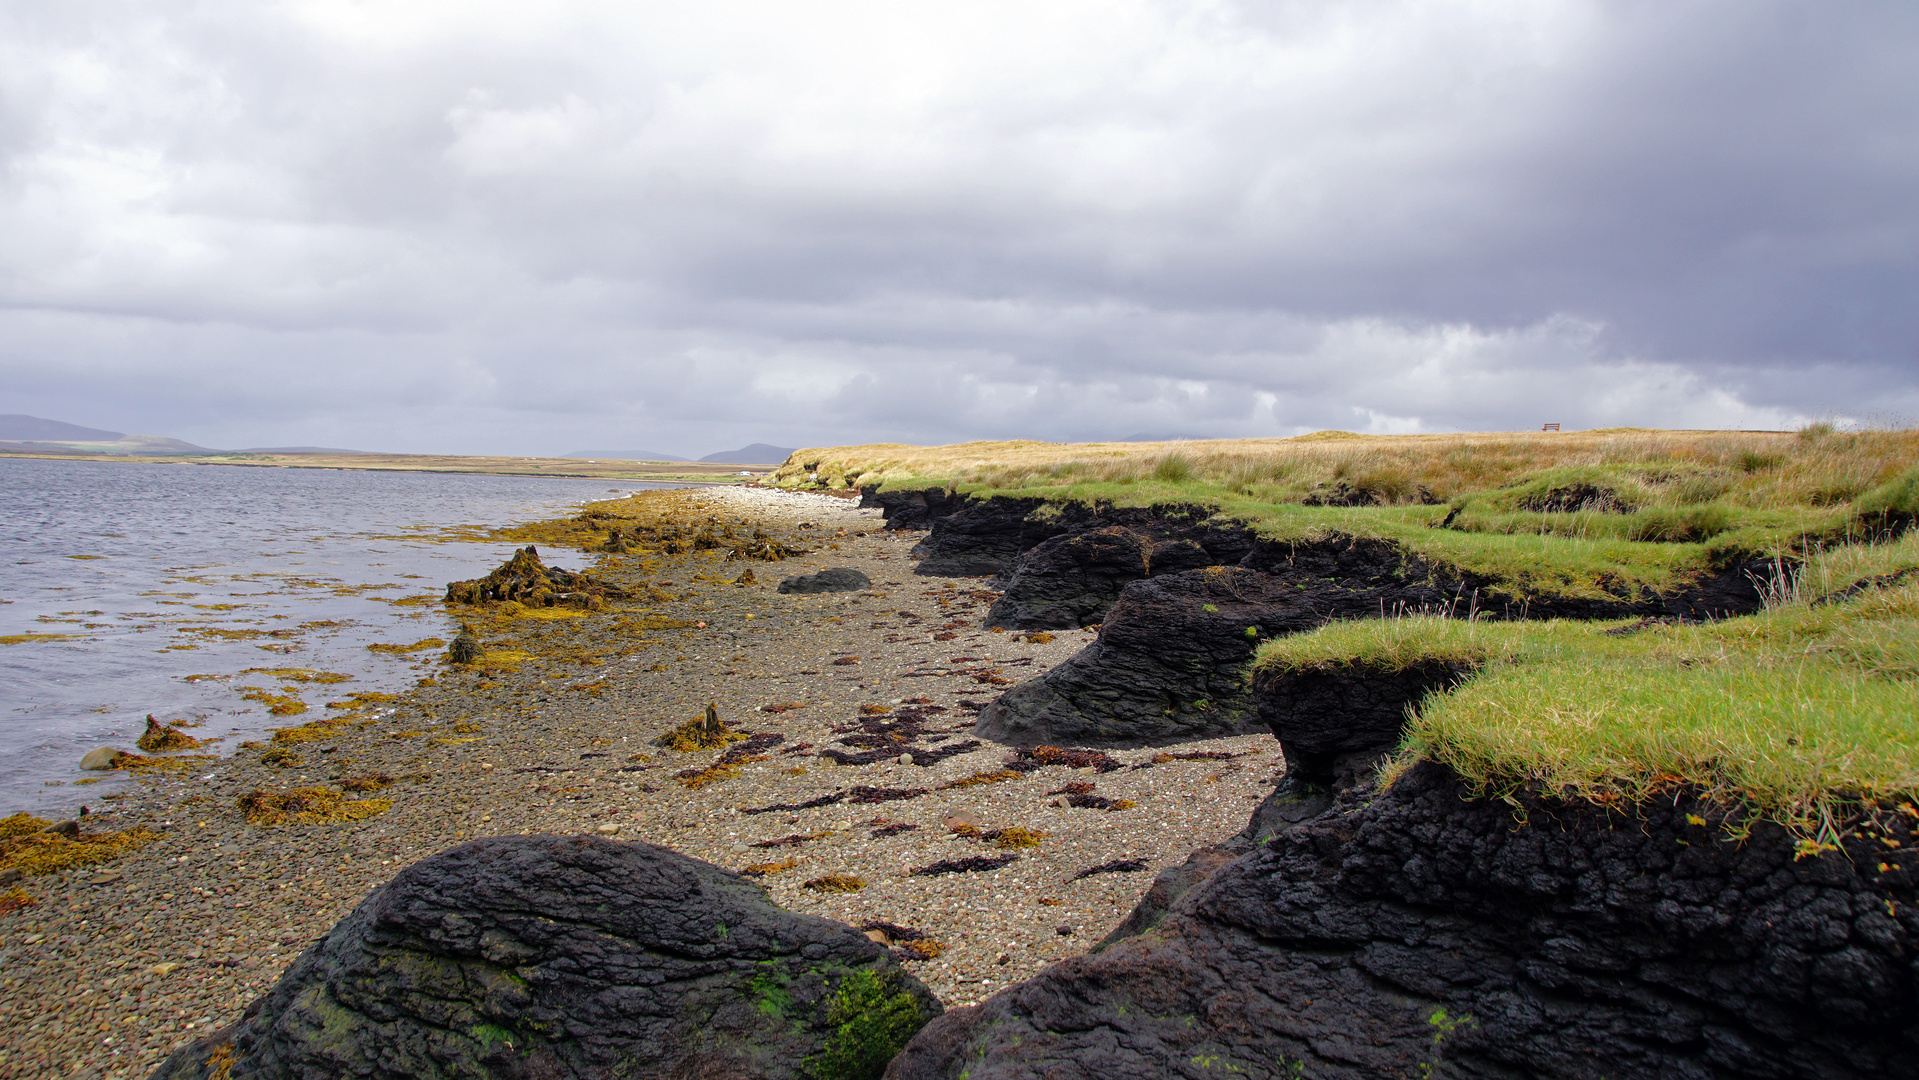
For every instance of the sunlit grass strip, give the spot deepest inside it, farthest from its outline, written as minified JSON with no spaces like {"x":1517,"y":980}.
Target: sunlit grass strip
{"x":1802,"y":744}
{"x":1813,"y":467}
{"x":1806,"y":713}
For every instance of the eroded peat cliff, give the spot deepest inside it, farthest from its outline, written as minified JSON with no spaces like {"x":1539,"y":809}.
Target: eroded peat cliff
{"x":1183,"y":600}
{"x":1433,"y":925}
{"x":1425,"y":930}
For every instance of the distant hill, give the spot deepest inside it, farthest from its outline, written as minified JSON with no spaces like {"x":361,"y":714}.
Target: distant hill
{"x":757,"y":454}
{"x":32,"y":433}
{"x":624,"y":455}
{"x":15,"y":427}
{"x":1142,"y":436}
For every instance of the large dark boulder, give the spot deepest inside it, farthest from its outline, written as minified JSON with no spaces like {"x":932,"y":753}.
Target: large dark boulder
{"x":1429,"y":930}
{"x":571,"y":957}
{"x":1168,"y":664}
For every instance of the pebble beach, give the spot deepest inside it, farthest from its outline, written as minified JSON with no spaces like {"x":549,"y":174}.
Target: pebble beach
{"x":977,"y":871}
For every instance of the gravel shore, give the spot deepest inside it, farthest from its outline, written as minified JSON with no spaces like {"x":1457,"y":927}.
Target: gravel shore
{"x":116,"y":965}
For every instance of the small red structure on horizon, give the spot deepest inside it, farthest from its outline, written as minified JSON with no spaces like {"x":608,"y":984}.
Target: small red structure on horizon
{"x":1549,"y":427}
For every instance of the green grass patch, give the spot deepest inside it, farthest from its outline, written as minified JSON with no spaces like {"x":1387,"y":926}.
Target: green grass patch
{"x":1804,"y":713}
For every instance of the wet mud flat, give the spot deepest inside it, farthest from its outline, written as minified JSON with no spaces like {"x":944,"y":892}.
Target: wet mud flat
{"x":858,"y":792}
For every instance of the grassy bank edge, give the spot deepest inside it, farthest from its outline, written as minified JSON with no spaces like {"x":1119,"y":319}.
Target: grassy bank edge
{"x":1804,"y":713}
{"x":1658,"y":509}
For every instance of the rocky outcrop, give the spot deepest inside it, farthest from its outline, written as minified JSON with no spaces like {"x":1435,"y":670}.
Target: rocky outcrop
{"x":994,"y":536}
{"x":1281,"y":810}
{"x":524,"y":579}
{"x":911,"y":509}
{"x":1335,"y":726}
{"x":832,"y":579}
{"x":571,"y":957}
{"x":1426,"y":930}
{"x":1170,"y":658}
{"x":1070,"y":581}
{"x":1167,"y":664}
{"x":1055,"y":584}
{"x":985,"y":537}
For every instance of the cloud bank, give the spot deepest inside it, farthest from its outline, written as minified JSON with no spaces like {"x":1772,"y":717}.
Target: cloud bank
{"x":514,"y":228}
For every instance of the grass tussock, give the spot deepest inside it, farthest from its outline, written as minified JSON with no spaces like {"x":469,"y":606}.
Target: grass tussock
{"x":1802,"y":713}
{"x":307,"y":806}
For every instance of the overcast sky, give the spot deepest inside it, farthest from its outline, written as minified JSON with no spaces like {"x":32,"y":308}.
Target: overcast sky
{"x":536,"y":227}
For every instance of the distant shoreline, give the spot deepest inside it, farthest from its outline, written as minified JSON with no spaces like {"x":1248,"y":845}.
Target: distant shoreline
{"x":562,"y":468}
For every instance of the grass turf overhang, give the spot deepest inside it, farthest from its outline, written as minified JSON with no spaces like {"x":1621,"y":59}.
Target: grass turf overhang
{"x":1803,"y":713}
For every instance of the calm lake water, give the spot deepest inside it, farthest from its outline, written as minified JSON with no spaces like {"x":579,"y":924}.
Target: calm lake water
{"x":177,"y":590}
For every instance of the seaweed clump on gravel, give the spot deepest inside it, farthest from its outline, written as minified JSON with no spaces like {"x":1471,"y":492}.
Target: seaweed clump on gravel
{"x":307,"y":806}
{"x":708,"y":732}
{"x":34,"y":846}
{"x":729,"y":764}
{"x":1117,"y":866}
{"x":525,"y":580}
{"x":1041,"y":756}
{"x":823,"y":800}
{"x":976,"y":864}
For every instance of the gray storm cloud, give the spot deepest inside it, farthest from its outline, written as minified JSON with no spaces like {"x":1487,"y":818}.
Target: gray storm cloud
{"x":522,"y":228}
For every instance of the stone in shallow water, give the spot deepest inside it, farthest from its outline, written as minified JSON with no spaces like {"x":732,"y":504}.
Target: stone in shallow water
{"x":571,"y":957}
{"x":100,"y":757}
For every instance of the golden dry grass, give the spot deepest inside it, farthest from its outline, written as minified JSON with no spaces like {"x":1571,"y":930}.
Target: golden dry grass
{"x":1814,"y":467}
